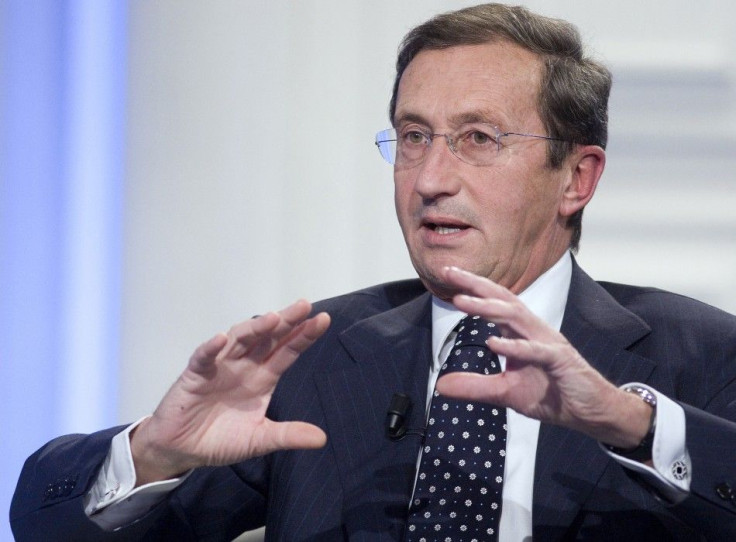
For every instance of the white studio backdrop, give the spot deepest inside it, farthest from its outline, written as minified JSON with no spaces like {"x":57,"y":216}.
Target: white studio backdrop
{"x":63,"y":86}
{"x":253,"y":180}
{"x":238,"y":163}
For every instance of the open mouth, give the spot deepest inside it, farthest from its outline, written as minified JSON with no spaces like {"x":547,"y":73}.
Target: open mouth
{"x":445,"y":228}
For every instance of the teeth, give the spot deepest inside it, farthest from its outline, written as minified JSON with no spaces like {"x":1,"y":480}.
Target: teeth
{"x":444,"y":230}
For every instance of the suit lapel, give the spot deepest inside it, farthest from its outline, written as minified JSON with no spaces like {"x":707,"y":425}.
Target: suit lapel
{"x":391,"y":352}
{"x":388,"y":353}
{"x":569,"y":464}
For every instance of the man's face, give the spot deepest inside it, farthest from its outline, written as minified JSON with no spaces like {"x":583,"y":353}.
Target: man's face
{"x":500,"y":221}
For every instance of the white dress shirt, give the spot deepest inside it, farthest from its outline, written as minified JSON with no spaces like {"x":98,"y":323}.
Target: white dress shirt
{"x":112,"y":502}
{"x":546,"y":297}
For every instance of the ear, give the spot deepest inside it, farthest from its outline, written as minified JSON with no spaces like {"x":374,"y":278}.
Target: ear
{"x":586,"y":167}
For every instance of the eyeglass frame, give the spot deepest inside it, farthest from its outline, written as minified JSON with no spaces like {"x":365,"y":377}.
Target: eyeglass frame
{"x":450,"y":139}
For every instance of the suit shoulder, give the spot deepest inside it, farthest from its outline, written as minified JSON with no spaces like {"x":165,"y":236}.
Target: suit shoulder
{"x":372,"y":300}
{"x":655,"y":304}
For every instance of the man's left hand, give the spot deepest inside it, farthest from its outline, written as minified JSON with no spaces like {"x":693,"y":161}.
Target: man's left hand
{"x":545,"y":377}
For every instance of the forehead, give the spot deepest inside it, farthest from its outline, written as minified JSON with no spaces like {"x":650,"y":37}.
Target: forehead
{"x":497,"y":81}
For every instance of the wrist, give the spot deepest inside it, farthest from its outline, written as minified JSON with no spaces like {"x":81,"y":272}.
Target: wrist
{"x":641,"y":450}
{"x":151,"y":464}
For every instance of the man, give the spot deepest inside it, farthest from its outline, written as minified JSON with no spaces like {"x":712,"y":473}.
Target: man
{"x":620,"y":400}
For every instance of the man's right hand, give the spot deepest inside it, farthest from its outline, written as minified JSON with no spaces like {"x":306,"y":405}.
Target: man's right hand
{"x":215,"y":413}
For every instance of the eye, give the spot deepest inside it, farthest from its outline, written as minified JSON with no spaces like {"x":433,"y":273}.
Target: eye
{"x":479,"y":138}
{"x":415,"y":137}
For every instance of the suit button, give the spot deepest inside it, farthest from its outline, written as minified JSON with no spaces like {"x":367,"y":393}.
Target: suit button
{"x":59,"y":488}
{"x":724,"y":491}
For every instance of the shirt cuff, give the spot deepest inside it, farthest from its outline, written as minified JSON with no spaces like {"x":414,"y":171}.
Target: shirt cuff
{"x":114,"y":501}
{"x":672,"y":471}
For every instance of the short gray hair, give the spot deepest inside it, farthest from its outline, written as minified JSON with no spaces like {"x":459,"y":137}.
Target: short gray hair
{"x":573,"y":98}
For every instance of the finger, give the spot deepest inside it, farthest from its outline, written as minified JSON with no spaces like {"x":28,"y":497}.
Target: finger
{"x":513,"y":319}
{"x":519,"y":349}
{"x":493,"y":302}
{"x":296,"y":312}
{"x":241,"y":336}
{"x":288,"y":319}
{"x":291,"y":436}
{"x":476,"y":285}
{"x":529,"y":352}
{"x":473,"y":387}
{"x":499,"y":312}
{"x":301,"y":338}
{"x":258,"y":336}
{"x":204,"y":356}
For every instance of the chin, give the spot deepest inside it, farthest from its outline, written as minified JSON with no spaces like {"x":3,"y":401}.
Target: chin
{"x":443,"y":291}
{"x":437,"y":286}
{"x":430,"y":272}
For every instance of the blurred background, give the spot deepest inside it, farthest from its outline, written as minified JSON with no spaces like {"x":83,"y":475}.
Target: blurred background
{"x":171,"y":167}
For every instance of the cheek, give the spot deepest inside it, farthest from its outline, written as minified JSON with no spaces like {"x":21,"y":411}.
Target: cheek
{"x":509,"y":209}
{"x":402,"y":198}
{"x":541,"y":189}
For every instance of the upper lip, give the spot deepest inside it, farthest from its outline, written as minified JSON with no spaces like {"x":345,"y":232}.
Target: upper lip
{"x":444,"y":221}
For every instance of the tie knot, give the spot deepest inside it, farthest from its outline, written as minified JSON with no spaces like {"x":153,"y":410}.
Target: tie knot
{"x":474,"y":330}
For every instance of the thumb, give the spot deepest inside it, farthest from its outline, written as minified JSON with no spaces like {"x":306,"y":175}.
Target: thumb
{"x":292,"y":436}
{"x":471,"y":386}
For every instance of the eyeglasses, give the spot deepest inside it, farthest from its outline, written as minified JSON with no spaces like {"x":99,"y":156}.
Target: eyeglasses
{"x":475,"y":144}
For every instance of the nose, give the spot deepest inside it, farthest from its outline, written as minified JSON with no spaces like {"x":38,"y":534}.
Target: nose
{"x":448,"y":139}
{"x":438,"y":173}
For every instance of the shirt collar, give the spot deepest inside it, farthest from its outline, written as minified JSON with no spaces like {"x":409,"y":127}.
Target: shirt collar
{"x":546,"y":297}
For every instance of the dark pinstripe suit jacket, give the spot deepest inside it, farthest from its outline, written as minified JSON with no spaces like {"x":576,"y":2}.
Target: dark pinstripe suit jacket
{"x":358,"y":486}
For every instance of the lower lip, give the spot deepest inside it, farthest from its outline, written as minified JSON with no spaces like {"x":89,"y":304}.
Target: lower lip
{"x":431,"y":237}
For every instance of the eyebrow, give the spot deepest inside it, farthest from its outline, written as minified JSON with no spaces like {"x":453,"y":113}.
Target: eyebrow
{"x":469,"y":117}
{"x":472,"y":117}
{"x":410,"y":117}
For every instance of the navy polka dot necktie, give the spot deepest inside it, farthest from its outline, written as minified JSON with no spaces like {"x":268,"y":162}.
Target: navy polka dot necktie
{"x":458,"y":491}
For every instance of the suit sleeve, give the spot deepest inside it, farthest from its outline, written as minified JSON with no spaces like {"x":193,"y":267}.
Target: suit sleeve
{"x":213,"y":503}
{"x":48,"y":503}
{"x":711,"y":441}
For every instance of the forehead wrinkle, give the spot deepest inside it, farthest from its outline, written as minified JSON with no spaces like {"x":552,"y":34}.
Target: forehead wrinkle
{"x":454,"y":121}
{"x":474,"y":117}
{"x":410,"y":116}
{"x":484,"y":88}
